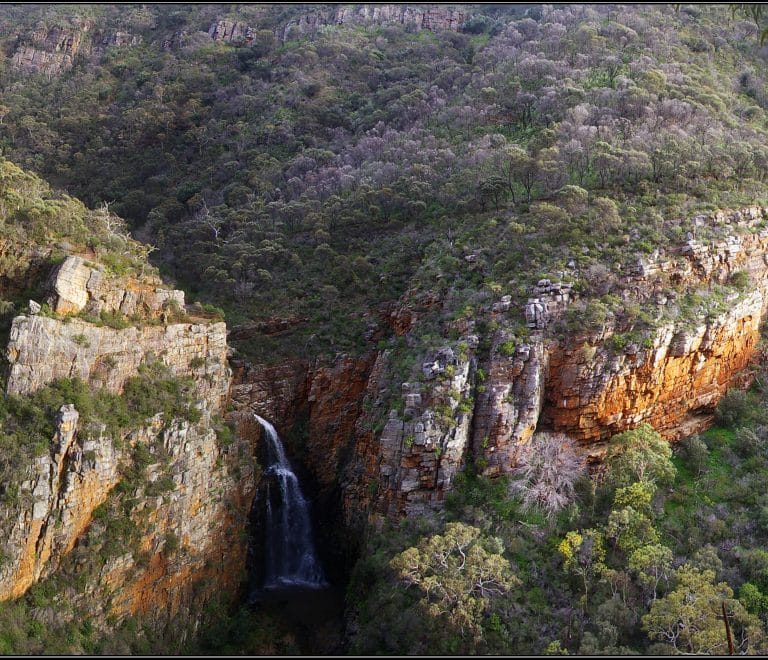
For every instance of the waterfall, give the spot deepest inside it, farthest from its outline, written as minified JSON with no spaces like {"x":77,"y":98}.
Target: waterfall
{"x":290,"y":549}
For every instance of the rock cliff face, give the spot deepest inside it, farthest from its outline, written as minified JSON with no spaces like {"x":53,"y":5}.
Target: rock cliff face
{"x":232,"y":31}
{"x":190,"y":507}
{"x":52,"y":50}
{"x":79,"y":286}
{"x":49,"y":50}
{"x":418,"y":18}
{"x":102,"y":40}
{"x":393,"y":461}
{"x":591,"y":386}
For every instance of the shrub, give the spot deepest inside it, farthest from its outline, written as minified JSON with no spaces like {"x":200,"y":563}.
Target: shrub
{"x":739,"y":279}
{"x":748,"y":442}
{"x":197,"y":362}
{"x":171,"y":542}
{"x":507,"y":348}
{"x":640,"y":454}
{"x":156,"y":390}
{"x":114,"y":320}
{"x":736,"y":408}
{"x":695,"y":453}
{"x":81,"y":340}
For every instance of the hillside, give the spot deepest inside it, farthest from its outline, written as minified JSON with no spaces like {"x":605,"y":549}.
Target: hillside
{"x":312,"y":179}
{"x":483,"y":268}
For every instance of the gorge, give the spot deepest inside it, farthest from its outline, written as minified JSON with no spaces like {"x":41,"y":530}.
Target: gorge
{"x":383,"y":329}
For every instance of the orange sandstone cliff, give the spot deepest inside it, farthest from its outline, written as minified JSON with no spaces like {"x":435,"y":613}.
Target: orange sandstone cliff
{"x":460,"y":403}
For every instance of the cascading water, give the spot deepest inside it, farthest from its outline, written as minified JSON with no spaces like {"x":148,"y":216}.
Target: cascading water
{"x":291,"y":559}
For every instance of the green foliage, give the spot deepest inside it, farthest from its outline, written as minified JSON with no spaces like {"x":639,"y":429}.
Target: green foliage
{"x":438,"y":594}
{"x":114,"y":320}
{"x":652,"y":564}
{"x":171,"y":543}
{"x":80,"y":340}
{"x":754,"y":600}
{"x":155,"y":390}
{"x":689,"y":618}
{"x":640,"y":454}
{"x":738,"y":408}
{"x":441,"y":164}
{"x":739,"y":279}
{"x":695,"y":452}
{"x":507,"y":348}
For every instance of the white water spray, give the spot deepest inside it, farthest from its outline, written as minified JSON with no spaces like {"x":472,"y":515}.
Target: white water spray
{"x":291,"y":558}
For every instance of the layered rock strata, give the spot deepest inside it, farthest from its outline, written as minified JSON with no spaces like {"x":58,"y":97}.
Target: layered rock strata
{"x":52,"y":50}
{"x":397,"y":460}
{"x":190,"y":545}
{"x":49,"y":50}
{"x":592,"y":385}
{"x":417,"y":18}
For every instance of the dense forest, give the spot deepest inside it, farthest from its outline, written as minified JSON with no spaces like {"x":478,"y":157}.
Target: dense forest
{"x":313,"y":178}
{"x":304,"y":179}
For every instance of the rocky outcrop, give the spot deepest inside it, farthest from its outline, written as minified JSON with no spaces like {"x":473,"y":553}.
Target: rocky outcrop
{"x":422,"y":450}
{"x":33,"y":537}
{"x":395,"y":457}
{"x":204,"y":516}
{"x":593,"y":385}
{"x":673,"y":384}
{"x":232,"y":31}
{"x":103,"y":40}
{"x":49,"y":50}
{"x":190,"y":507}
{"x":42,"y":349}
{"x":81,"y":286}
{"x":204,"y":510}
{"x":52,"y":50}
{"x":276,"y":392}
{"x":418,"y":18}
{"x":508,"y":409}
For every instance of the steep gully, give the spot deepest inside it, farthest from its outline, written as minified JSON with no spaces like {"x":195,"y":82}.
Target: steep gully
{"x":291,"y":558}
{"x":287,"y":577}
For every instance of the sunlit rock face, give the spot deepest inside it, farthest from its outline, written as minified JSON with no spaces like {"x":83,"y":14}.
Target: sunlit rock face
{"x":191,"y":544}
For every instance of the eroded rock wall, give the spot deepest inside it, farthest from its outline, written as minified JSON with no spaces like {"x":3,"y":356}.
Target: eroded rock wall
{"x":399,"y":460}
{"x":191,"y":545}
{"x":50,"y":50}
{"x":419,"y":18}
{"x":590,"y":386}
{"x":42,"y":349}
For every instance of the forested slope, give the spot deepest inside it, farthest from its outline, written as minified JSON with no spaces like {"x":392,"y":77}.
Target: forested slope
{"x":312,"y":178}
{"x":468,"y":249}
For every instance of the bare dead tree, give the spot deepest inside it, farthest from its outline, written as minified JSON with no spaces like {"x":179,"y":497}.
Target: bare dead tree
{"x":547,"y":471}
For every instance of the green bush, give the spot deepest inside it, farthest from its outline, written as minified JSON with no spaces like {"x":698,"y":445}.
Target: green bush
{"x":115,"y":320}
{"x":155,"y":390}
{"x":695,"y":453}
{"x":507,"y":348}
{"x":739,"y":279}
{"x":172,"y":543}
{"x":749,"y":442}
{"x":737,"y":408}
